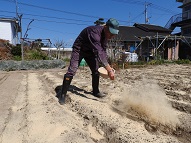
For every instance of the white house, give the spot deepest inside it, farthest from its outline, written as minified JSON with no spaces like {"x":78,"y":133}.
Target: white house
{"x":55,"y":49}
{"x":62,"y":52}
{"x":9,"y":29}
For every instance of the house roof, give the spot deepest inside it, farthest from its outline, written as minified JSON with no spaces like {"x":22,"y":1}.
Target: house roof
{"x":132,"y":33}
{"x":185,"y":4}
{"x":8,"y":19}
{"x":152,"y":28}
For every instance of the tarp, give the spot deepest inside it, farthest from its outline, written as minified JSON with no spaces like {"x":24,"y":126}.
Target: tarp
{"x":83,"y":62}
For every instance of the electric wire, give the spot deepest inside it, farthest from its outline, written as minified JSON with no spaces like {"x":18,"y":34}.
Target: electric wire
{"x":54,"y":21}
{"x":121,"y":21}
{"x":143,"y":3}
{"x":76,"y":21}
{"x":51,"y":17}
{"x":51,"y":9}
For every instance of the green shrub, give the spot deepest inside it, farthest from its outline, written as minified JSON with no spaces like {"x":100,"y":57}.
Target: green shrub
{"x":137,"y":63}
{"x":156,"y":62}
{"x":35,"y":55}
{"x":16,"y":50}
{"x":17,"y":58}
{"x":185,"y":61}
{"x":67,"y":59}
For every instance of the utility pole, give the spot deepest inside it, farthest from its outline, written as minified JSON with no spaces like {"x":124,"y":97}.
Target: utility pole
{"x":19,"y":28}
{"x":16,"y":4}
{"x":146,"y":17}
{"x":21,"y":39}
{"x":17,"y":19}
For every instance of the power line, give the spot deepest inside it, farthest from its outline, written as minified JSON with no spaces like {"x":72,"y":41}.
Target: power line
{"x":51,"y":30}
{"x":5,"y":16}
{"x":46,"y":8}
{"x":58,"y":22}
{"x":57,"y":10}
{"x":137,"y":16}
{"x":143,"y":3}
{"x":64,"y":11}
{"x":8,"y":0}
{"x":52,"y":17}
{"x":54,"y":21}
{"x":76,"y":21}
{"x":163,"y":9}
{"x":79,"y":14}
{"x":60,"y":18}
{"x":130,"y":2}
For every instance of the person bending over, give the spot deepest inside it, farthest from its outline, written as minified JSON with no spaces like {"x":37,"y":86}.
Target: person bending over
{"x":91,"y":45}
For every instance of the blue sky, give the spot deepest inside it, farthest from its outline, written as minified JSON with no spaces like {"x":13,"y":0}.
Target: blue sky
{"x":64,"y":19}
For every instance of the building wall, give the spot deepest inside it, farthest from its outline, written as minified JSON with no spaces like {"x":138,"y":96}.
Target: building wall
{"x":186,"y":14}
{"x":14,"y":34}
{"x":8,"y":32}
{"x":184,"y":47}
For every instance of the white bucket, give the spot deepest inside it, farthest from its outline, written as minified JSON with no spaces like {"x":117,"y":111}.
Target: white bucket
{"x":132,"y":57}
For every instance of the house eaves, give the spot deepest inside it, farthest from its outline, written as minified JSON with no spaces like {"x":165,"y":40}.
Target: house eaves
{"x":184,"y":5}
{"x":9,"y":20}
{"x":179,"y":0}
{"x":129,"y":33}
{"x":152,"y":28}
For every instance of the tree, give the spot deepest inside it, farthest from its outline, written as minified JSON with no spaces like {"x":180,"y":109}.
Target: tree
{"x":59,"y":44}
{"x":114,"y":49}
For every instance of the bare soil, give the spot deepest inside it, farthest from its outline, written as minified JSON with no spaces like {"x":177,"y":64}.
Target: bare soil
{"x":143,"y":105}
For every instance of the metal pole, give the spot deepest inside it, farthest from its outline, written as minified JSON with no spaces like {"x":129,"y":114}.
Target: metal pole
{"x":156,"y":47}
{"x":21,"y":39}
{"x":16,"y":8}
{"x":146,"y":16}
{"x":174,"y":47}
{"x":145,"y":12}
{"x":17,"y":17}
{"x":22,"y":47}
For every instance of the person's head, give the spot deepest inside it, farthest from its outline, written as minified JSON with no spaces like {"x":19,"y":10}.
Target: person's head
{"x":111,"y":28}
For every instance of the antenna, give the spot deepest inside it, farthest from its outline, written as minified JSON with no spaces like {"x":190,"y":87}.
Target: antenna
{"x":129,"y":19}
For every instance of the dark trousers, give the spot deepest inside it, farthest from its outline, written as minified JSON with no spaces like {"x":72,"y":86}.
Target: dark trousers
{"x":76,"y":58}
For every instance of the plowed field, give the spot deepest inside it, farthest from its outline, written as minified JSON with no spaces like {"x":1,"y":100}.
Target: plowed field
{"x":143,"y":105}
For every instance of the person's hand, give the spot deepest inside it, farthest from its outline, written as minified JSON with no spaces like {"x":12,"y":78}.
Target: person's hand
{"x":110,"y":71}
{"x":111,"y":74}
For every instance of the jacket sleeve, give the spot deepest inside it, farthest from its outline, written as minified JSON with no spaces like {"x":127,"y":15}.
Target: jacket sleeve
{"x":98,"y":47}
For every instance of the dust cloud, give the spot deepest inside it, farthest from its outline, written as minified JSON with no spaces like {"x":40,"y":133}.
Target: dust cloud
{"x":148,"y":101}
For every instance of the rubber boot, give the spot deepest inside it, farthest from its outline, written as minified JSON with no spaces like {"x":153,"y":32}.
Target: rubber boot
{"x":65,"y":86}
{"x":95,"y":86}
